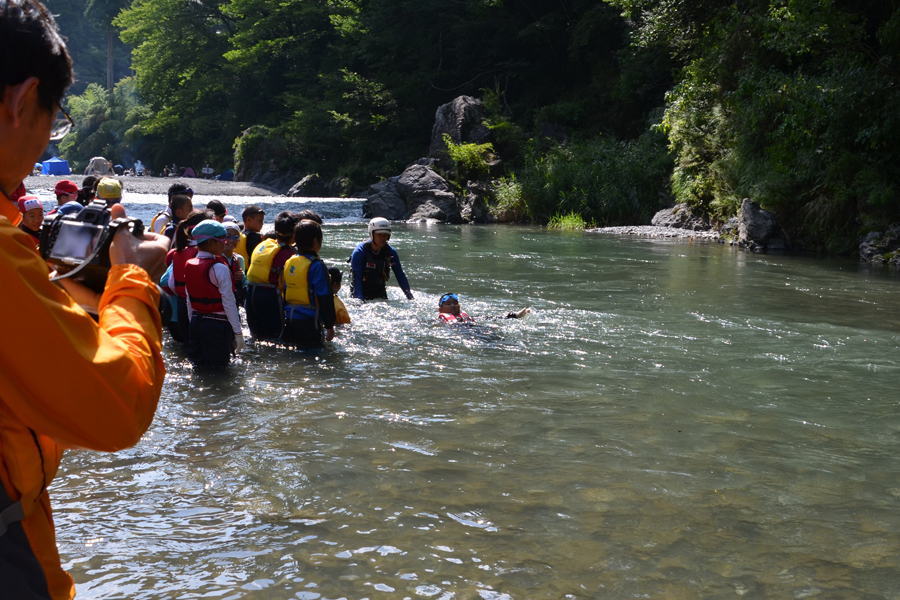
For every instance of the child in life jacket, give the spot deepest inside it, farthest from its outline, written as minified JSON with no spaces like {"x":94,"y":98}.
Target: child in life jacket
{"x":215,"y":330}
{"x":235,"y":261}
{"x":449,"y":311}
{"x":265,"y":302}
{"x":308,"y":299}
{"x":342,"y":317}
{"x":253,"y":217}
{"x":184,"y":250}
{"x":32,"y":216}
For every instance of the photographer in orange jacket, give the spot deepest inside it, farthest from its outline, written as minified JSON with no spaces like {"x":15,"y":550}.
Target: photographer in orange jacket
{"x":107,"y":377}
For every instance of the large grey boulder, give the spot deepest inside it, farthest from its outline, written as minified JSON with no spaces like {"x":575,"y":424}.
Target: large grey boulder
{"x":427,"y":195}
{"x":311,"y":186}
{"x":383,"y":200}
{"x":681,"y":217}
{"x":463,"y":119}
{"x":758,"y":230}
{"x":474,"y":205}
{"x":418,"y":194}
{"x":882,"y":248}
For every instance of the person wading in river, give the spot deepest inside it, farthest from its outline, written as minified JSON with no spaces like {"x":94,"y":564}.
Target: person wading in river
{"x":107,"y":376}
{"x":372,"y":262}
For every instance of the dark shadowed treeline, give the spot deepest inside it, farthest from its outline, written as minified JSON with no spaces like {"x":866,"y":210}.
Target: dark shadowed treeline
{"x":607,"y":110}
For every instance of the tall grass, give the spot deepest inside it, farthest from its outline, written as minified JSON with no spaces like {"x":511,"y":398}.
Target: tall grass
{"x":602,"y":180}
{"x":571,"y":221}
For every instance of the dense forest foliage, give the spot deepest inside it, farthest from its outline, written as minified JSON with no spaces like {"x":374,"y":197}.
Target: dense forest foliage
{"x":608,"y":110}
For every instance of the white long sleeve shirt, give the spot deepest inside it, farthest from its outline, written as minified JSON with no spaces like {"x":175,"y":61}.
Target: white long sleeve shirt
{"x":220,"y":276}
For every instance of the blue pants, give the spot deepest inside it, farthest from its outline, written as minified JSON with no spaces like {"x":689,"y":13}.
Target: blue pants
{"x":212,"y":341}
{"x":304,"y":334}
{"x":265,"y":312}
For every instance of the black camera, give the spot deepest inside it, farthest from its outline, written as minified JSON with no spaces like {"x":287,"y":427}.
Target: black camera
{"x":77,"y":246}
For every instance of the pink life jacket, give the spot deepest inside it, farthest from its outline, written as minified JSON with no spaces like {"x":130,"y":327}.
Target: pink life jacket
{"x":462,"y":318}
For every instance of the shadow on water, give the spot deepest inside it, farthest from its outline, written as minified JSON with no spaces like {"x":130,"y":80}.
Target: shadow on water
{"x":673,"y":420}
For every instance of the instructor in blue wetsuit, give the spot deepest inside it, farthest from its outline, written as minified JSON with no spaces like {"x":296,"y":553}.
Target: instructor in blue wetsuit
{"x":372,"y":262}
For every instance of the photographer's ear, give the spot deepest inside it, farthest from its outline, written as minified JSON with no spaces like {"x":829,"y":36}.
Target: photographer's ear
{"x":14,"y":99}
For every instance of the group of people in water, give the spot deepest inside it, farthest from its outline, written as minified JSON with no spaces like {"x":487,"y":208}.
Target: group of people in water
{"x":288,"y":293}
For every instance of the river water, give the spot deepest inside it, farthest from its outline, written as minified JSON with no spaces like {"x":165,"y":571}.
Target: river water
{"x":673,"y":420}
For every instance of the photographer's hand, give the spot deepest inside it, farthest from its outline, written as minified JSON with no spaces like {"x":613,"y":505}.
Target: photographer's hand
{"x":148,"y":251}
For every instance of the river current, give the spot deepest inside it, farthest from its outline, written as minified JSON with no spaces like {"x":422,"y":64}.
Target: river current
{"x":673,"y":420}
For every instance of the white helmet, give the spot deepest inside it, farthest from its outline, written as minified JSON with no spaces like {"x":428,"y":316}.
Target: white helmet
{"x":379,"y":224}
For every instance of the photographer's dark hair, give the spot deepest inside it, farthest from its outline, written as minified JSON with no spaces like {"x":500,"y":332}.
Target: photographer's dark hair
{"x":284,"y":225}
{"x":309,"y":215}
{"x":305,"y":233}
{"x":30,"y":46}
{"x":181,"y":232}
{"x":178,"y":201}
{"x":335,"y":274}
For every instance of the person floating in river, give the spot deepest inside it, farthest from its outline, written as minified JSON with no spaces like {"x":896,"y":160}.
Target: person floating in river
{"x":372,"y":262}
{"x":450,"y":311}
{"x":215,"y":330}
{"x":308,"y":299}
{"x":264,"y":302}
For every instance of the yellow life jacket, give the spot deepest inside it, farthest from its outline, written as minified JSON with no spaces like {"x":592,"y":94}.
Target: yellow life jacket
{"x":162,"y":213}
{"x":297,"y":289}
{"x":342,"y":316}
{"x":241,"y":248}
{"x":261,"y":262}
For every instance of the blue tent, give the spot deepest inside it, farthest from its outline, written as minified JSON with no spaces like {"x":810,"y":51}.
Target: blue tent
{"x":56,"y":166}
{"x":226,"y":176}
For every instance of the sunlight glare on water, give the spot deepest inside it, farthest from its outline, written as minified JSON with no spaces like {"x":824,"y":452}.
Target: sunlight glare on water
{"x":673,"y":420}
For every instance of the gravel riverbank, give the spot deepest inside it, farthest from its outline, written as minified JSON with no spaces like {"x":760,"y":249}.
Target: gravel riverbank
{"x":160,"y":185}
{"x":658,"y":232}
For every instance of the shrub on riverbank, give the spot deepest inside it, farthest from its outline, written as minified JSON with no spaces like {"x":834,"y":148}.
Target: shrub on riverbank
{"x":602,"y":180}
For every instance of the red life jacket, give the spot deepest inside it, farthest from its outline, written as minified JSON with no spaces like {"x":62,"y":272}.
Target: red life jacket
{"x":179,"y":258}
{"x":462,"y":318}
{"x":205,"y":297}
{"x":235,"y":267}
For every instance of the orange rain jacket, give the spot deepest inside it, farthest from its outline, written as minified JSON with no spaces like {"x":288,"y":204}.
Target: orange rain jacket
{"x":65,"y":382}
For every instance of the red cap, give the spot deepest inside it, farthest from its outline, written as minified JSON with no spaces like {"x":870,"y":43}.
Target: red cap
{"x":66,"y":186}
{"x":26,"y":203}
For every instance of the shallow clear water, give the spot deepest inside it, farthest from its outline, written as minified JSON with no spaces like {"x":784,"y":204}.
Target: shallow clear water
{"x":674,"y":420}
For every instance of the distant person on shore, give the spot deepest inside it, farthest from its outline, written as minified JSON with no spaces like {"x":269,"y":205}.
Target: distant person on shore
{"x":253,"y":218}
{"x":182,"y":206}
{"x":308,"y":296}
{"x":32,"y":216}
{"x":235,"y":261}
{"x":110,"y":190}
{"x":449,"y":311}
{"x":341,"y":316}
{"x":164,"y":217}
{"x":264,"y":303}
{"x":207,"y":171}
{"x":215,"y":329}
{"x":372,"y":262}
{"x":218,"y":209}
